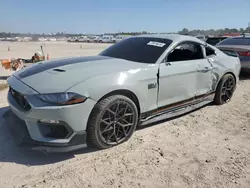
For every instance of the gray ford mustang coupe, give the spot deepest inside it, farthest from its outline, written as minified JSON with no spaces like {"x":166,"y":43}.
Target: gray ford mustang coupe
{"x":65,"y":104}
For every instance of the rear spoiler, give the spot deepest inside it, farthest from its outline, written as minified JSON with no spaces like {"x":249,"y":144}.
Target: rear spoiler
{"x":230,"y":53}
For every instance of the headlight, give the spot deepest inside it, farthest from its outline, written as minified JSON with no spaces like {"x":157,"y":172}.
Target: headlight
{"x":62,"y":98}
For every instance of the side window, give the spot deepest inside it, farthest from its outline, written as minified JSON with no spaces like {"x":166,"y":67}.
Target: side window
{"x":186,"y":52}
{"x":209,"y":51}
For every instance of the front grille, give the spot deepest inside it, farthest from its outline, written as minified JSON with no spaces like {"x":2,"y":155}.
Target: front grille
{"x":20,"y":100}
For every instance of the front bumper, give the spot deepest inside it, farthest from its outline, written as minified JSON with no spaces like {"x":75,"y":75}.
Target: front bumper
{"x":74,"y":118}
{"x":22,"y":137}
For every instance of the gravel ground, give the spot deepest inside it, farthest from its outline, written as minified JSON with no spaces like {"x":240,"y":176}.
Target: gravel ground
{"x":206,"y":148}
{"x":55,"y":49}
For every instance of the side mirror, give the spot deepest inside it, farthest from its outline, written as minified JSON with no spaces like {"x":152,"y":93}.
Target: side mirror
{"x":166,"y":62}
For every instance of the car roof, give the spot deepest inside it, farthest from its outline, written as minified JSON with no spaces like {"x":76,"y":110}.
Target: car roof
{"x":246,"y":36}
{"x":173,"y":37}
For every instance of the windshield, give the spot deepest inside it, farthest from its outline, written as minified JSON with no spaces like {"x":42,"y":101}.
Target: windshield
{"x":138,"y":49}
{"x":236,"y":41}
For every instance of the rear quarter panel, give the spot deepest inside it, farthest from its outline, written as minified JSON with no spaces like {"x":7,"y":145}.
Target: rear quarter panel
{"x":223,"y":64}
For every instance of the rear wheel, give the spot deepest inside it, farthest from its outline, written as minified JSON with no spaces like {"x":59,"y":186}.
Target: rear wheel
{"x":112,"y":121}
{"x":225,"y":89}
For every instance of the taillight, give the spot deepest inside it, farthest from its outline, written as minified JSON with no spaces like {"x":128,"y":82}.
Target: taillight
{"x":244,"y":53}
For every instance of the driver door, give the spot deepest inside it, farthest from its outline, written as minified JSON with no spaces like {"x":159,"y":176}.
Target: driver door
{"x":179,"y":73}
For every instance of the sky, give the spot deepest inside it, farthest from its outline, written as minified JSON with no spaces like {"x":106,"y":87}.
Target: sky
{"x":101,"y":16}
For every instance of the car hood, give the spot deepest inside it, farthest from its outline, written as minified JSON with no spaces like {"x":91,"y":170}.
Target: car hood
{"x":61,"y":74}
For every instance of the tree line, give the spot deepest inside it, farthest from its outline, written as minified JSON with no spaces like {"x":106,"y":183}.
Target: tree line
{"x":213,"y":32}
{"x":184,"y":31}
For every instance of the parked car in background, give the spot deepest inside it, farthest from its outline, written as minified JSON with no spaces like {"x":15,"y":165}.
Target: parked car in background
{"x":82,"y":39}
{"x":215,"y":40}
{"x":72,"y":39}
{"x":135,"y":82}
{"x":95,"y":39}
{"x":52,"y":39}
{"x":24,"y":39}
{"x":201,"y":37}
{"x":119,"y":38}
{"x":92,"y":39}
{"x":42,"y":39}
{"x":245,"y":34}
{"x":241,"y":45}
{"x":106,"y":39}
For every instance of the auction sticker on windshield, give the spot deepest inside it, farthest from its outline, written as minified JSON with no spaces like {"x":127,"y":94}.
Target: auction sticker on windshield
{"x":158,"y":44}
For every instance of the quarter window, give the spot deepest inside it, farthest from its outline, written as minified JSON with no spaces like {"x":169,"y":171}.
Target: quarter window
{"x":209,"y":51}
{"x":186,"y":52}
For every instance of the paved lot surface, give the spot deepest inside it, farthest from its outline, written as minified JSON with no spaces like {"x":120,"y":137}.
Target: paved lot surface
{"x":206,"y":148}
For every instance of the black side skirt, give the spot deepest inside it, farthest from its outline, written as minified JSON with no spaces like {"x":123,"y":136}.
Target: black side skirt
{"x":175,"y":106}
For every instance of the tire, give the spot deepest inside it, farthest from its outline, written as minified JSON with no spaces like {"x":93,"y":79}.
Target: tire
{"x":103,"y":123}
{"x":220,"y":97}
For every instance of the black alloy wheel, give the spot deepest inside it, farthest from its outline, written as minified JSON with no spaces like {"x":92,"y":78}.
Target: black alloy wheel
{"x":225,"y":89}
{"x":112,"y":122}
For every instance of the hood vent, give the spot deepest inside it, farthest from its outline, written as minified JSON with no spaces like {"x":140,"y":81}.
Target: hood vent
{"x":59,"y":70}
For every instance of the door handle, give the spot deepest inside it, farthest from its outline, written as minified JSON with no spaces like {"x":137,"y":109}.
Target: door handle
{"x":167,"y":63}
{"x":205,"y":69}
{"x":211,"y":59}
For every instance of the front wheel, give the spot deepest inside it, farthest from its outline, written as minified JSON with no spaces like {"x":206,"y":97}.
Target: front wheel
{"x":112,"y":121}
{"x":225,"y":89}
